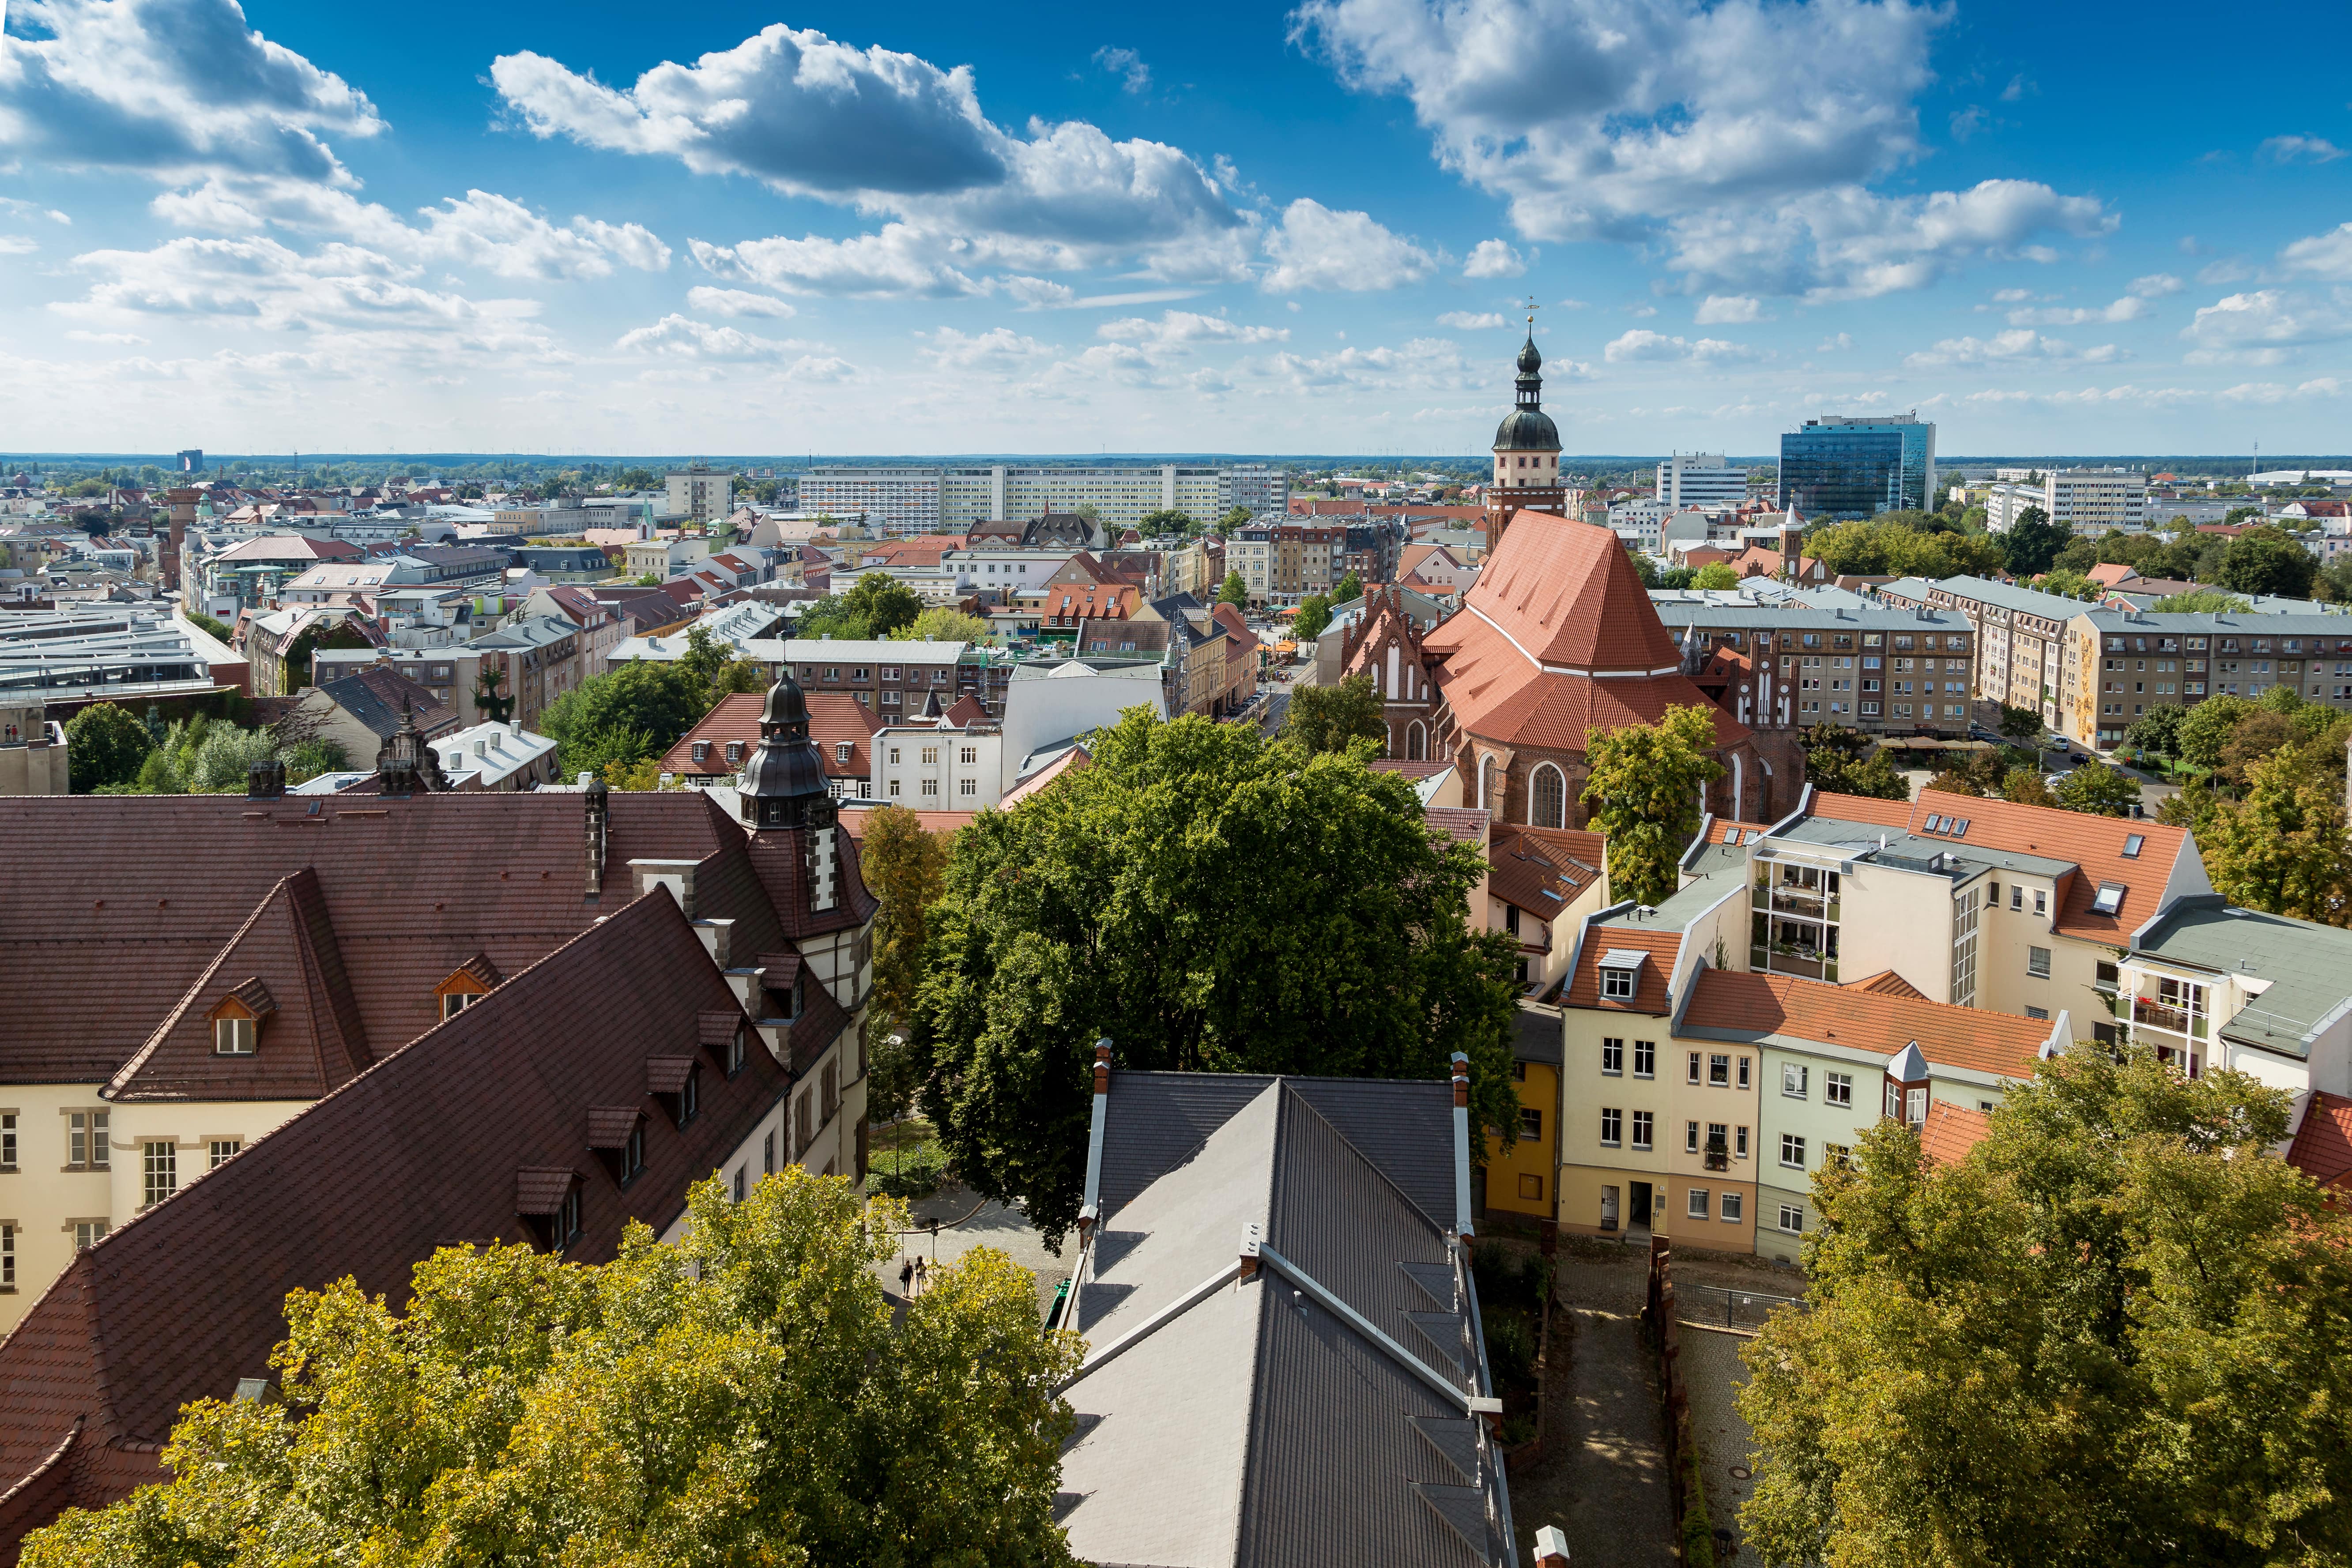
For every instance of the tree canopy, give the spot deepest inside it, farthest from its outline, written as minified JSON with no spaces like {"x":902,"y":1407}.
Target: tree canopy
{"x":945,"y":623}
{"x":1314,"y":615}
{"x":2099,"y":790}
{"x":1642,"y":793}
{"x":1348,"y":590}
{"x":1715,"y":574}
{"x":2118,"y":1332}
{"x":2034,"y":542}
{"x":1843,"y":761}
{"x":104,"y":745}
{"x":2284,"y":848}
{"x":1167,"y":520}
{"x":1210,"y":900}
{"x":1889,"y":546}
{"x":744,"y":1397}
{"x":1233,"y":591}
{"x":2264,"y":560}
{"x":636,"y":709}
{"x":876,"y":605}
{"x":1332,"y":718}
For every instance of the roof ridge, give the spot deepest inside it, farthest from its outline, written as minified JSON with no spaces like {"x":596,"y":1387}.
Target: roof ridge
{"x":1290,"y":1094}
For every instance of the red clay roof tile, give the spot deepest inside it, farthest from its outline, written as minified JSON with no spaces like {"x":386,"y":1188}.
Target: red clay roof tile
{"x":1967,"y":1037}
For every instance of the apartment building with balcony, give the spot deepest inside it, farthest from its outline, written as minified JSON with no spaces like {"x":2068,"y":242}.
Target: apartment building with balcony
{"x":2208,"y":987}
{"x":2133,"y":662}
{"x":2021,"y":642}
{"x":1828,"y":657}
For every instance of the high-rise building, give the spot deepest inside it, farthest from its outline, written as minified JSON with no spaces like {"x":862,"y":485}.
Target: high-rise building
{"x":191,"y":461}
{"x":909,"y":501}
{"x":2088,"y":501}
{"x":1701,"y":479}
{"x":701,"y":494}
{"x":1845,"y":465}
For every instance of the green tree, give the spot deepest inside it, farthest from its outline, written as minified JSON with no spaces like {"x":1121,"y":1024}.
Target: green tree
{"x":104,"y":745}
{"x":2205,"y":728}
{"x":2099,"y":790}
{"x":946,"y":625}
{"x":1350,"y":588}
{"x":2238,"y":514}
{"x":1314,"y":615}
{"x":1109,"y":905}
{"x":883,"y":603}
{"x":2071,"y":586}
{"x":2266,"y":560}
{"x":1236,"y":516}
{"x":1843,"y":762}
{"x":2032,"y":542}
{"x":529,"y":1410}
{"x":2157,"y":733}
{"x":1335,"y":718}
{"x":634,"y":711}
{"x":1715,"y":574}
{"x":209,"y":625}
{"x":905,"y":867}
{"x":2118,"y":1332}
{"x":2026,"y":786}
{"x":2282,"y":849}
{"x":1643,"y":567}
{"x":1234,"y":592}
{"x":2023,"y":725}
{"x":1167,"y":520}
{"x":1642,"y":793}
{"x":2202,"y":601}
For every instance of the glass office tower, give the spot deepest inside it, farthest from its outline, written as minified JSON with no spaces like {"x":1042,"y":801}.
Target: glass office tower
{"x":1850,"y":466}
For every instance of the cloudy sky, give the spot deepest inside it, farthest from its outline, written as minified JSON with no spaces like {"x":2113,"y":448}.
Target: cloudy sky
{"x":1074,"y":229}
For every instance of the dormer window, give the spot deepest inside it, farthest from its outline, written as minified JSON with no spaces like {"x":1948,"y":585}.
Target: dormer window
{"x":236,"y":1018}
{"x":677,"y":1082}
{"x":1619,"y":970}
{"x":467,"y":985}
{"x":455,"y":1002}
{"x":734,"y":754}
{"x":548,"y":1199}
{"x":702,"y":751}
{"x":617,"y":1133}
{"x":233,"y":1036}
{"x":841,"y":751}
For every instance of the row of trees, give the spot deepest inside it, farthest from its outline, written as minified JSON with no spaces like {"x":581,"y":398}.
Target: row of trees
{"x":108,"y":752}
{"x":879,"y":607}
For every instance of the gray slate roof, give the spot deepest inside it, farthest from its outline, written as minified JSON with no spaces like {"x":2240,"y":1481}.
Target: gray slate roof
{"x":1257,"y":1427}
{"x":2308,"y":965}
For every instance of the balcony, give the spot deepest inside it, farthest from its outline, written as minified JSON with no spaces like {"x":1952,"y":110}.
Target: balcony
{"x":1718,"y":1158}
{"x":1805,"y":905}
{"x":2157,"y":1015}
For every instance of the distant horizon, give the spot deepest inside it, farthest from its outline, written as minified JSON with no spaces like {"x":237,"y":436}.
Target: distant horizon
{"x":730,"y":461}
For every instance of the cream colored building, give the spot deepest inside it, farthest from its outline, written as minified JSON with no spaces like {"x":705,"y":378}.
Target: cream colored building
{"x":32,"y":752}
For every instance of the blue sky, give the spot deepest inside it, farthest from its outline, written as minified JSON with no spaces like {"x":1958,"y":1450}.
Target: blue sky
{"x":730,"y":229}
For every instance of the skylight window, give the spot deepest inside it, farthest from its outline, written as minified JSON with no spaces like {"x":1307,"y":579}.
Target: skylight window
{"x":2110,"y":899}
{"x":2132,"y":846}
{"x":1936,"y":823}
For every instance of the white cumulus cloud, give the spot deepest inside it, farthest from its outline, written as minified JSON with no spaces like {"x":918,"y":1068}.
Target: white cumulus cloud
{"x":2130,"y":307}
{"x":2265,"y":326}
{"x":1728,"y":310}
{"x":1641,"y":344}
{"x":736,"y":303}
{"x":1494,"y":258}
{"x":685,"y":338}
{"x":2018,"y":344}
{"x":2325,"y":256}
{"x":1177,"y":328}
{"x":2299,"y":150}
{"x":1473,"y":321}
{"x":1316,"y":246}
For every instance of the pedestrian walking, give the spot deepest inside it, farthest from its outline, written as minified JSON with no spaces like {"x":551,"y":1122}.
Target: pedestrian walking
{"x":907,"y":1278}
{"x":922,"y":1277}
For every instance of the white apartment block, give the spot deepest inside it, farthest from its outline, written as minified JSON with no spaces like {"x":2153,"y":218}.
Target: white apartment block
{"x":1701,"y":479}
{"x":933,"y":500}
{"x":2089,"y":500}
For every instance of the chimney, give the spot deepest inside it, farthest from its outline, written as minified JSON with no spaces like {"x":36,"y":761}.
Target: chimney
{"x":1089,"y":1212}
{"x":599,"y":804}
{"x":1462,"y":1226}
{"x":1551,"y":1547}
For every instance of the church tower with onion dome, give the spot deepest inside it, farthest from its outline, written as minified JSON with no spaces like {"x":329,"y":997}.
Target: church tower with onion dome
{"x":1526,"y":452}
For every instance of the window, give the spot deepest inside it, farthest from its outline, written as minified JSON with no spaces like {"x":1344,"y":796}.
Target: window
{"x":2037,"y":962}
{"x":2041,"y":900}
{"x":632,"y":1153}
{"x":1644,"y":1122}
{"x":1613,"y":1057}
{"x":1732,"y":1207}
{"x":968,"y":787}
{"x":1645,"y":1059}
{"x":1690,"y":1137}
{"x":738,"y":1183}
{"x":220,"y":1150}
{"x":1792,"y":1079}
{"x":702,"y":751}
{"x":1719,"y":1071}
{"x":1612,"y":1127}
{"x":931,"y":786}
{"x":1792,"y":1151}
{"x":564,"y":1224}
{"x":7,"y":1257}
{"x":894,"y":788}
{"x":734,"y":754}
{"x":1792,"y":1219}
{"x":2016,"y":895}
{"x":1694,"y":1069}
{"x":88,"y":1233}
{"x":894,"y":753}
{"x":1698,"y":1202}
{"x":1739,"y":1142}
{"x":842,"y":750}
{"x":161,"y":1160}
{"x":689,"y":1096}
{"x":232,"y":1033}
{"x":2132,"y":842}
{"x":2110,"y":899}
{"x":452,"y":1004}
{"x":85,"y":1140}
{"x":1617,"y":984}
{"x":1548,"y":798}
{"x":735,"y":1053}
{"x":7,"y":1140}
{"x":970,"y":754}
{"x":1915,"y":1106}
{"x":1744,"y":1066}
{"x":931,"y":756}
{"x":2037,"y":1012}
{"x":768,"y":1153}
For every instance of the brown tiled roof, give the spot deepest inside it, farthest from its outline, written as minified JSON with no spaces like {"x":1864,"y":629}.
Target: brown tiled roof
{"x":433,"y":1145}
{"x":539,"y":1190}
{"x":2095,"y":843}
{"x":667,"y":1075}
{"x":1886,"y":982}
{"x":1583,"y":987}
{"x":1952,"y":1131}
{"x":2322,"y":1149}
{"x":834,"y":717}
{"x":373,"y":696}
{"x":1969,"y":1038}
{"x":405,"y":891}
{"x":1463,"y":824}
{"x":1542,"y":870}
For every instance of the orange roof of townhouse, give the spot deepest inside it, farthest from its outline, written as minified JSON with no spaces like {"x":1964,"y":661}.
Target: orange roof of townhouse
{"x":1967,"y":1037}
{"x":1105,"y":600}
{"x":1886,"y":982}
{"x":2103,"y":850}
{"x":2113,"y":573}
{"x":1603,"y":944}
{"x":2322,"y":1149}
{"x":1952,"y":1131}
